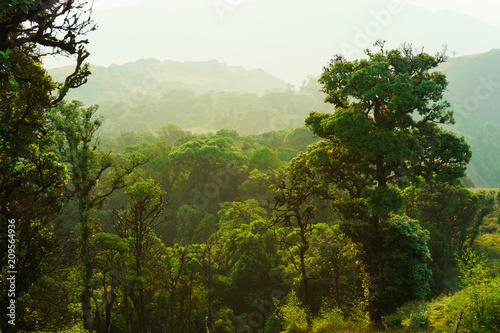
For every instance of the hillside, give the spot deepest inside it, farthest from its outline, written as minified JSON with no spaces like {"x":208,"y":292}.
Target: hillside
{"x":474,"y":87}
{"x":151,"y":77}
{"x":474,"y":94}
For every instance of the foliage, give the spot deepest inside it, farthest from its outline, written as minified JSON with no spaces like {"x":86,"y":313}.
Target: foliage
{"x":138,"y":220}
{"x":480,"y":305}
{"x":454,"y":217}
{"x":32,"y":178}
{"x":405,"y":275}
{"x":293,"y":315}
{"x":452,"y":211}
{"x":95,"y":245}
{"x":76,"y":128}
{"x":383,"y":131}
{"x":473,"y":268}
{"x":112,"y":262}
{"x":24,"y":23}
{"x":263,"y":159}
{"x":272,"y":324}
{"x":328,"y":320}
{"x":479,"y":300}
{"x":170,"y":133}
{"x":210,"y":164}
{"x":419,"y":320}
{"x":32,"y":172}
{"x":333,"y":261}
{"x":294,"y":214}
{"x":412,"y":316}
{"x":488,"y":245}
{"x":250,"y":260}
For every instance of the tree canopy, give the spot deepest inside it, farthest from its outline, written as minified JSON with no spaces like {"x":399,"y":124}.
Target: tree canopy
{"x":183,"y":232}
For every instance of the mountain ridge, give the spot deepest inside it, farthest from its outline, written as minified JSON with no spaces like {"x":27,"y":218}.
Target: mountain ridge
{"x":154,"y":77}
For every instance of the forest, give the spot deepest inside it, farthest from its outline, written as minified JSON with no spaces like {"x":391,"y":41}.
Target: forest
{"x":356,"y":221}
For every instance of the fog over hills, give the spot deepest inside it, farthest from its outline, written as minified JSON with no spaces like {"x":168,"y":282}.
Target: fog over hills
{"x":153,"y":77}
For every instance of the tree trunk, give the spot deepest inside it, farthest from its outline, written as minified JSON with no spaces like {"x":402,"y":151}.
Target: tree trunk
{"x":374,"y":267}
{"x":305,"y":278}
{"x":126,"y":306}
{"x":109,"y":305}
{"x":141,"y":311}
{"x":87,"y":267}
{"x":143,"y":318}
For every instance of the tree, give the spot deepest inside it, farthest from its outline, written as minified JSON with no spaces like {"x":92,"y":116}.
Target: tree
{"x":213,"y":168}
{"x":251,"y":254}
{"x":294,"y":211}
{"x":32,"y":175}
{"x":293,"y":315}
{"x":111,"y":262}
{"x":170,"y":133}
{"x":453,"y":216}
{"x":88,"y":166}
{"x":263,"y":159}
{"x":138,"y":221}
{"x":54,"y":25}
{"x":334,"y":263}
{"x":299,"y":138}
{"x":177,"y":302}
{"x":384,"y":130}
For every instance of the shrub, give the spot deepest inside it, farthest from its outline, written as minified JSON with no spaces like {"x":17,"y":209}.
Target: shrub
{"x":293,"y":315}
{"x":420,"y":320}
{"x":480,"y":304}
{"x":412,"y":317}
{"x":328,"y":321}
{"x":273,"y":324}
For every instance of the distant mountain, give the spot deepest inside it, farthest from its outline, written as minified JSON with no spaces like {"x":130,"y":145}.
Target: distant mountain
{"x":152,"y":78}
{"x":474,"y":94}
{"x":474,"y":87}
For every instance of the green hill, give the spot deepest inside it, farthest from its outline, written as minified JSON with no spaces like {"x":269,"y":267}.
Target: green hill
{"x":474,"y":94}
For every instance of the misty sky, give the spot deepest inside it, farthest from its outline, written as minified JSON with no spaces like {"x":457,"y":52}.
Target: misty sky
{"x":288,"y":38}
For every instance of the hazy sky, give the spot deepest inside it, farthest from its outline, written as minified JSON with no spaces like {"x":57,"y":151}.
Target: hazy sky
{"x":287,"y":38}
{"x":484,"y":10}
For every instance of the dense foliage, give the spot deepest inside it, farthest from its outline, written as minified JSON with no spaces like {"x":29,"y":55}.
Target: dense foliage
{"x":169,"y":231}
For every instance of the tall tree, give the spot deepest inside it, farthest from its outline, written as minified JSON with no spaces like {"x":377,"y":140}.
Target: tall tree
{"x":88,"y":167}
{"x":294,"y":211}
{"x":32,"y":177}
{"x":112,"y":259}
{"x":384,"y":129}
{"x":138,"y":221}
